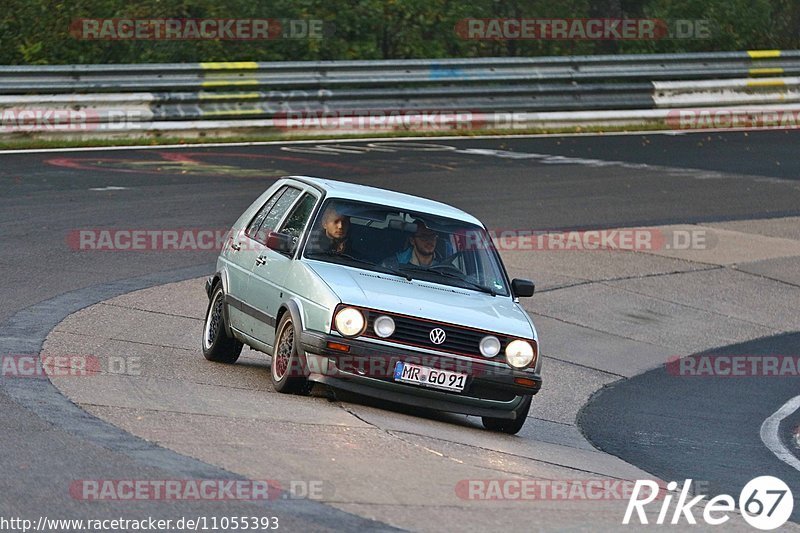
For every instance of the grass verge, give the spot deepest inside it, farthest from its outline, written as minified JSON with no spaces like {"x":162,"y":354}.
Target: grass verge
{"x":32,"y":142}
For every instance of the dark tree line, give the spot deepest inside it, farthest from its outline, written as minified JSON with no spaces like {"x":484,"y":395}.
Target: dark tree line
{"x":38,"y":31}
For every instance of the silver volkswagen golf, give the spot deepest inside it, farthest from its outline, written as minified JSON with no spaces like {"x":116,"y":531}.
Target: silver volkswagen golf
{"x":379,"y":293}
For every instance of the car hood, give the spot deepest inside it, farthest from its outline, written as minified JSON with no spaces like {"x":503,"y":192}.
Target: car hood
{"x":423,"y":299}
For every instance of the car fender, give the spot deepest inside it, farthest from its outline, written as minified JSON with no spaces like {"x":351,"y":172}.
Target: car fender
{"x":537,"y":368}
{"x":221,"y":276}
{"x":294,"y":308}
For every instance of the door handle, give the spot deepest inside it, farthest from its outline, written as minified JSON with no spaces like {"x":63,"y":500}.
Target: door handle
{"x":261,"y":260}
{"x":236,"y":246}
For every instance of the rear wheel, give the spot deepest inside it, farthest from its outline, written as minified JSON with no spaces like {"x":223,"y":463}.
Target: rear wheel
{"x":286,"y":371}
{"x":217,"y":345}
{"x":511,"y":427}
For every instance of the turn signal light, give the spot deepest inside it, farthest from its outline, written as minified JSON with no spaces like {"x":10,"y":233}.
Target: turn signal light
{"x":525,"y":382}
{"x":338,"y":347}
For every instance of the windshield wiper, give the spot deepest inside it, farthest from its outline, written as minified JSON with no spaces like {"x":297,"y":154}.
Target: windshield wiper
{"x":444,"y":273}
{"x":379,"y":268}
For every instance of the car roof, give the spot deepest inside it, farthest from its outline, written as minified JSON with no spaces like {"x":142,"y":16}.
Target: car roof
{"x":375,"y":195}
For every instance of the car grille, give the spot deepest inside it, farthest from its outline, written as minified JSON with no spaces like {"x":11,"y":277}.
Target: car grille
{"x":416,"y":332}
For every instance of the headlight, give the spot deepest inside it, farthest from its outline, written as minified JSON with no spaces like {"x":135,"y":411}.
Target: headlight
{"x":349,"y":322}
{"x":490,"y":346}
{"x":519,"y":353}
{"x":384,"y":326}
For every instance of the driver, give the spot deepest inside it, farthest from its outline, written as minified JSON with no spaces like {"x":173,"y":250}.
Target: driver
{"x":420,"y":252}
{"x":333,"y":237}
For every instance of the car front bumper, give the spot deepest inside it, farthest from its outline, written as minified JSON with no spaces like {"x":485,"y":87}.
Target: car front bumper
{"x":368,"y":368}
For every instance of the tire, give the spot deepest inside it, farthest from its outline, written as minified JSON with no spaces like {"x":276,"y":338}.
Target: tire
{"x":217,"y":345}
{"x":504,"y":425}
{"x":286,"y":369}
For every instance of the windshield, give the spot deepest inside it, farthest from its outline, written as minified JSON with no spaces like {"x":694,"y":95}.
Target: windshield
{"x":406,"y":243}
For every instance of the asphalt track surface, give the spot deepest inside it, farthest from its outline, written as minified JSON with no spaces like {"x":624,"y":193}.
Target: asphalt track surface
{"x":560,"y":183}
{"x":672,"y":426}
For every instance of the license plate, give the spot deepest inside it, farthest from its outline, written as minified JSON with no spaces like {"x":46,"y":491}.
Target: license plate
{"x":429,"y":377}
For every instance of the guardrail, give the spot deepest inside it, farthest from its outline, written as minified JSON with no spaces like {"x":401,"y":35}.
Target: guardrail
{"x":191,"y":99}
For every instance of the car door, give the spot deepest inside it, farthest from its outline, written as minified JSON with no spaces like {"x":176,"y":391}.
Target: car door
{"x":239,"y":255}
{"x":255,"y":309}
{"x":268,"y":276}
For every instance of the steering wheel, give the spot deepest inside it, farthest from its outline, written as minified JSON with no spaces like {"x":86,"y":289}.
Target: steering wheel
{"x":447,"y":263}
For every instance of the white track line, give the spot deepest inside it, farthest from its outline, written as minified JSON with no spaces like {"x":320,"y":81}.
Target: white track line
{"x":770,"y":433}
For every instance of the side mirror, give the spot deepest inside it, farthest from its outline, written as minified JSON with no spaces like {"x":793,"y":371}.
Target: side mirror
{"x":522,"y":288}
{"x":280,"y":242}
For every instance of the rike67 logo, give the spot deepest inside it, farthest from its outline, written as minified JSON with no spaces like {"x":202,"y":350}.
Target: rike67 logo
{"x":766,"y":503}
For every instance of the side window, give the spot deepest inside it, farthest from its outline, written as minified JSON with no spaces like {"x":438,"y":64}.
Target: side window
{"x":276,"y":214}
{"x":299,"y":217}
{"x":252,"y":229}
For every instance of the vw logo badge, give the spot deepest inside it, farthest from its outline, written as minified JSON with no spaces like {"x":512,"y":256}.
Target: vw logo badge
{"x":437,"y":336}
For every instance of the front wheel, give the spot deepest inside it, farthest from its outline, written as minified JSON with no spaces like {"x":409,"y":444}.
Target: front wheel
{"x":511,"y":427}
{"x":286,"y":371}
{"x":217,"y":345}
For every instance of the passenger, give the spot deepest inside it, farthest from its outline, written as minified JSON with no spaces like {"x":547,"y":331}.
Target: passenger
{"x":421,"y":250}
